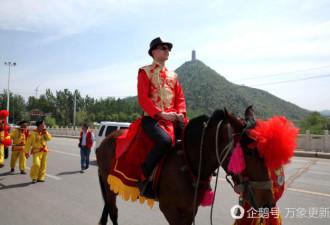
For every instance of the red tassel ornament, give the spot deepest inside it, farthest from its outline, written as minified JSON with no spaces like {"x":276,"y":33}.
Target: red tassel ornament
{"x":208,"y":198}
{"x":237,"y":161}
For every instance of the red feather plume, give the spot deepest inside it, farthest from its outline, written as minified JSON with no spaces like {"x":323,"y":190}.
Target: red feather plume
{"x":276,"y":140}
{"x":4,"y":113}
{"x":6,"y":128}
{"x":6,"y":142}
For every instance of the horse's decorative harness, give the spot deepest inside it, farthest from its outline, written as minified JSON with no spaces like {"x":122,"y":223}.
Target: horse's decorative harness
{"x":244,"y":187}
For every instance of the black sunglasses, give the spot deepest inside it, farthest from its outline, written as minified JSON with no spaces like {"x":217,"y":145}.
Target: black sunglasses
{"x":164,"y":48}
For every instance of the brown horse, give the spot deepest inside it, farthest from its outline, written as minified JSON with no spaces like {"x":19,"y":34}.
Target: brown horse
{"x":176,"y":187}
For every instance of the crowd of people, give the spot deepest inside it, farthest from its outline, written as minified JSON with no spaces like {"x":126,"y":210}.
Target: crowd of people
{"x":25,"y":142}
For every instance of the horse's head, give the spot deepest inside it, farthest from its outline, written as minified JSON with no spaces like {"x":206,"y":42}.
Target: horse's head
{"x":253,"y":180}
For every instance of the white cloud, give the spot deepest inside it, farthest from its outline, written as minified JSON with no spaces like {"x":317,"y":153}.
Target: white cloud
{"x":59,"y":17}
{"x":238,"y":39}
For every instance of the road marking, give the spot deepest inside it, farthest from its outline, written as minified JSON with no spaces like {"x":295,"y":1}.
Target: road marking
{"x":48,"y":175}
{"x":323,"y":163}
{"x":291,"y":179}
{"x":292,"y":189}
{"x":222,"y":179}
{"x":308,"y":192}
{"x":67,"y":153}
{"x":299,"y":160}
{"x":299,"y":173}
{"x":288,"y":182}
{"x":319,"y":172}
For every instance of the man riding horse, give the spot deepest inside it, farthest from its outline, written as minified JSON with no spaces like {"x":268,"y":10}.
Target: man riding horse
{"x":161,"y":98}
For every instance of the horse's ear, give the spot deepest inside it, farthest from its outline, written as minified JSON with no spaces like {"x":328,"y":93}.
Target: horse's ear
{"x":249,"y":112}
{"x":235,"y":122}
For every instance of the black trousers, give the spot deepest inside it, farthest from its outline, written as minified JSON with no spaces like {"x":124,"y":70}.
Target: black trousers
{"x":162,"y":142}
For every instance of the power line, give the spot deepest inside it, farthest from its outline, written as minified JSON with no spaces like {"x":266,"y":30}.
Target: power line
{"x":279,"y":74}
{"x":289,"y":81}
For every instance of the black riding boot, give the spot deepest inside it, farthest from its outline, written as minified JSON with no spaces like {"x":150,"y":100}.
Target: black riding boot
{"x":145,"y":188}
{"x":162,"y":142}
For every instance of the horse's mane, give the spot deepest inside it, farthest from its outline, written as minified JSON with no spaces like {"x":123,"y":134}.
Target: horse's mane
{"x":217,"y":115}
{"x":194,"y":128}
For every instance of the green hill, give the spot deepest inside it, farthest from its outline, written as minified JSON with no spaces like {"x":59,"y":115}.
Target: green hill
{"x":205,"y":90}
{"x":325,"y":113}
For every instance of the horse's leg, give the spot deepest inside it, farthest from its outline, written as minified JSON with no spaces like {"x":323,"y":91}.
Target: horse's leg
{"x":110,"y":202}
{"x":105,"y":157}
{"x":172,"y":214}
{"x":188,"y":217}
{"x":176,"y":216}
{"x":112,"y":207}
{"x":104,"y":217}
{"x":175,"y":192}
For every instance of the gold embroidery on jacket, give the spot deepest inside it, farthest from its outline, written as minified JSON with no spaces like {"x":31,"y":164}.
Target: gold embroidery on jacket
{"x":162,"y":87}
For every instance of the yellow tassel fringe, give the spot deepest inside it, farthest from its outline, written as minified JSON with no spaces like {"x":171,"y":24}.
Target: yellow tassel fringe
{"x":126,"y":192}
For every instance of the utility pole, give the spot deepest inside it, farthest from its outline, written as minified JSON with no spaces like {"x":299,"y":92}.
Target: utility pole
{"x":9,"y":64}
{"x":37,"y":88}
{"x":74,"y":110}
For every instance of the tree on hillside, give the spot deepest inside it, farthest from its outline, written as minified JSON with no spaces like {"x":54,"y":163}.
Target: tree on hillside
{"x":17,"y":109}
{"x":50,"y":121}
{"x":315,"y":123}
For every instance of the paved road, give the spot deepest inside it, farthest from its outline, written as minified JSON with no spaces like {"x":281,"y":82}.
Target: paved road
{"x":68,"y":197}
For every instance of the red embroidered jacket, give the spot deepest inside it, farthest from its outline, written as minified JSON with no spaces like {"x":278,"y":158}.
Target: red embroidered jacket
{"x":159,"y":90}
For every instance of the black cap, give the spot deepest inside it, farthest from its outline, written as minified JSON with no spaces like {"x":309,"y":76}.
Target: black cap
{"x":39,"y":122}
{"x":158,"y":41}
{"x":21,"y":122}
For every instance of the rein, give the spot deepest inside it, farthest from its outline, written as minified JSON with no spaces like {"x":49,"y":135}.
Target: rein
{"x":225,"y":152}
{"x":199,"y":169}
{"x":223,"y":155}
{"x":245,"y":186}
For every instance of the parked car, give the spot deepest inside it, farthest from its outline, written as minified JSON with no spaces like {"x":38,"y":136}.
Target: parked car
{"x":106,"y":128}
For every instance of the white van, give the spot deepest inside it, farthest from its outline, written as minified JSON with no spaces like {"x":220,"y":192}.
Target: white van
{"x":106,"y":128}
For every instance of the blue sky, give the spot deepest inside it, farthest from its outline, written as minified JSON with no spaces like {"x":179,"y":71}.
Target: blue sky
{"x":282,"y":47}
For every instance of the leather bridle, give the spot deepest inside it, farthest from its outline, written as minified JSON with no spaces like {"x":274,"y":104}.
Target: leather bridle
{"x":246,"y":186}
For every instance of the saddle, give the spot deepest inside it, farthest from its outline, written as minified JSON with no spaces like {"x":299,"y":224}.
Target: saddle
{"x":132,"y":150}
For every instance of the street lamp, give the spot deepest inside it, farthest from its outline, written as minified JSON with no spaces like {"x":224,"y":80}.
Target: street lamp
{"x":9,"y":64}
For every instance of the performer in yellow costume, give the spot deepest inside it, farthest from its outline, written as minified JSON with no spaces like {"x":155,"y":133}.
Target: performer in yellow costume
{"x":19,"y":136}
{"x":38,"y":140}
{"x":4,"y":143}
{"x":2,"y":147}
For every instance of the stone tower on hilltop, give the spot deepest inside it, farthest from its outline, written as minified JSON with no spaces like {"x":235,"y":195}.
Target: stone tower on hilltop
{"x":193,"y":55}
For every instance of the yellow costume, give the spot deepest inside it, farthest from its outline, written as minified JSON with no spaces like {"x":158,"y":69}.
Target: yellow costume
{"x":19,"y":137}
{"x":38,"y":141}
{"x":2,"y":147}
{"x":4,"y":143}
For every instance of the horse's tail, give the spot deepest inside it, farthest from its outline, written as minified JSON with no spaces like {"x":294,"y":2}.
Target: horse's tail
{"x":104,"y":195}
{"x":104,"y":218}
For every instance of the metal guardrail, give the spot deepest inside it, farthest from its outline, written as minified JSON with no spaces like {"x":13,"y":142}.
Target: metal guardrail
{"x":313,"y":142}
{"x":306,"y":142}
